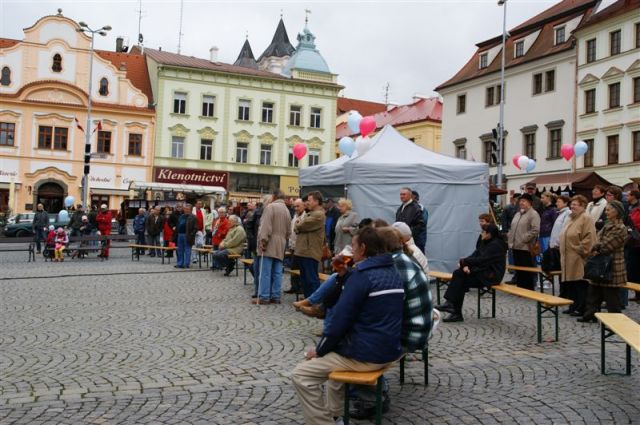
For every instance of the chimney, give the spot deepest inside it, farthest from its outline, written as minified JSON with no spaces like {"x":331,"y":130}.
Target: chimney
{"x":213,"y":54}
{"x":119,"y":44}
{"x":123,"y":66}
{"x":418,"y":97}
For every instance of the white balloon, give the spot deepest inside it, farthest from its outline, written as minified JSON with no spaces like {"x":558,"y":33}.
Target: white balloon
{"x":523,"y":161}
{"x":362,"y":144}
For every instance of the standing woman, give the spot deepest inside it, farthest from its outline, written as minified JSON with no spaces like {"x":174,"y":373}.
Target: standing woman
{"x":167,"y":229}
{"x":576,"y":240}
{"x":346,"y":226}
{"x":523,"y":233}
{"x":610,"y":241}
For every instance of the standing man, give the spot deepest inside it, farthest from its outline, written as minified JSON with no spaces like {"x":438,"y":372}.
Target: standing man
{"x":595,"y":208}
{"x":411,"y":214}
{"x":139,"y":229}
{"x":524,"y":231}
{"x":509,"y":212}
{"x":421,"y":242}
{"x":299,"y":212}
{"x":103,"y":219}
{"x":76,"y":220}
{"x":40,"y":226}
{"x":154,"y":226}
{"x":310,"y":230}
{"x":273,"y":233}
{"x":530,"y":188}
{"x":186,"y":231}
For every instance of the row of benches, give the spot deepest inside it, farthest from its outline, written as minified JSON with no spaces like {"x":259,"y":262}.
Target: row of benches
{"x":28,"y":244}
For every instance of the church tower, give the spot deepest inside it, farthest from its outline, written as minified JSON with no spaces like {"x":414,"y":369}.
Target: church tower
{"x":277,"y":54}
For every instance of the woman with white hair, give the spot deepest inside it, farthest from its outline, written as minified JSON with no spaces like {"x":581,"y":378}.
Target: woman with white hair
{"x":233,"y":243}
{"x":346,"y":226}
{"x":416,"y":254}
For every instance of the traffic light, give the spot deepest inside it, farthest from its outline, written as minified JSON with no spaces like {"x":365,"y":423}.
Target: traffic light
{"x":494,"y":146}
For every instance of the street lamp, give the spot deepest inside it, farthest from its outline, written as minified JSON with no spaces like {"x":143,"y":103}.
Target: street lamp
{"x":502,"y":3}
{"x":84,"y":28}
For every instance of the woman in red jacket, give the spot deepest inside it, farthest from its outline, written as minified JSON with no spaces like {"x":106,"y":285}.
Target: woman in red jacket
{"x":167,"y":230}
{"x":103,"y":219}
{"x":220,"y":228}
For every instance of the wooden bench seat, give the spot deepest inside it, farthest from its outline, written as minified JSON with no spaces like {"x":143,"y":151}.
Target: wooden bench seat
{"x":360,"y":378}
{"x":322,"y":276}
{"x":135,"y":253}
{"x":248,"y":263}
{"x":632,"y":286}
{"x":29,"y":241}
{"x":621,"y":325}
{"x":542,"y":276}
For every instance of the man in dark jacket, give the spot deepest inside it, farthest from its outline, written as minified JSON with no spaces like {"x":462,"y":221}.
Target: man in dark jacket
{"x":411,"y":214}
{"x":485,"y":267}
{"x":186,"y":231}
{"x":139,"y":229}
{"x":363,"y":334}
{"x":332,"y":214}
{"x":40,"y":225}
{"x":76,"y":220}
{"x":154,"y":225}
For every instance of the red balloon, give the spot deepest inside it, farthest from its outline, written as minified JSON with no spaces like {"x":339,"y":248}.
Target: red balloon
{"x":299,"y":151}
{"x":367,"y":125}
{"x":566,"y":151}
{"x":515,"y":160}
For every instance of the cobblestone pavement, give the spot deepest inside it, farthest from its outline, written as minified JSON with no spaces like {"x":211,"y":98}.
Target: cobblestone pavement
{"x":120,"y":342}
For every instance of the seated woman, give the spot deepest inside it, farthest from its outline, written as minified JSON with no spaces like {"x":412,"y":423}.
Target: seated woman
{"x":485,"y":267}
{"x":233,"y":243}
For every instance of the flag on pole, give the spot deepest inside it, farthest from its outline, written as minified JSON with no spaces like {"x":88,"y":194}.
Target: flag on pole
{"x":98,"y":127}
{"x":78,"y":124}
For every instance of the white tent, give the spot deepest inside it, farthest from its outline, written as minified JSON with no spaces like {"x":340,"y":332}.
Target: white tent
{"x":454,"y":191}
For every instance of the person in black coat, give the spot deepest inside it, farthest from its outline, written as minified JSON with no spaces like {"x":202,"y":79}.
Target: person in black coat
{"x":483,"y":268}
{"x":411,"y":214}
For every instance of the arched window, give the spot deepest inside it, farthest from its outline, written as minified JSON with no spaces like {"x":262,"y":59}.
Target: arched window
{"x":104,"y":87}
{"x":57,"y":63}
{"x":5,"y":80}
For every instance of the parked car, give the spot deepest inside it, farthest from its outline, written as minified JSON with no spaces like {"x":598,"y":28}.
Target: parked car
{"x":23,"y":227}
{"x":21,"y":217}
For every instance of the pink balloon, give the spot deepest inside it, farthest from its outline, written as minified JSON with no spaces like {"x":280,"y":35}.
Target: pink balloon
{"x":566,"y":151}
{"x":299,"y":150}
{"x":515,"y":160}
{"x":367,"y":125}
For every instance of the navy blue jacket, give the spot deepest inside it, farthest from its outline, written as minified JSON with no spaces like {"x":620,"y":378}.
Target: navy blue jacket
{"x":367,"y":319}
{"x":139,"y":224}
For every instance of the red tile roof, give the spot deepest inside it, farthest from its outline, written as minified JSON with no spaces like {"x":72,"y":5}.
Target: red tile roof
{"x":136,"y":67}
{"x":618,"y":8}
{"x":7,"y":42}
{"x":542,"y":47}
{"x":364,"y":107}
{"x":421,"y":110}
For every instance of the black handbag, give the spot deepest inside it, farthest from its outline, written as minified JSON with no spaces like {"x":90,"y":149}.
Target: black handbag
{"x":550,"y":260}
{"x":599,"y":268}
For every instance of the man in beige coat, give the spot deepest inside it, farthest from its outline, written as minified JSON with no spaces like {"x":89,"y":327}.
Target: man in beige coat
{"x":309,"y":243}
{"x":274,"y":230}
{"x":524,"y":230}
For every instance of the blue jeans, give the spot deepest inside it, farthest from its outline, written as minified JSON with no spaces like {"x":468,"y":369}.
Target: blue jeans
{"x":544,"y":243}
{"x":40,"y":236}
{"x":183,"y":251}
{"x":309,"y":275}
{"x":220,"y":259}
{"x":319,"y":294}
{"x":270,"y":280}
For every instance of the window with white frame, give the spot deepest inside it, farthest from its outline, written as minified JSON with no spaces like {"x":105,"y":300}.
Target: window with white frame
{"x":484,"y":60}
{"x":177,"y":147}
{"x":244,"y":107}
{"x":519,"y":49}
{"x":265,"y":154}
{"x":208,"y":106}
{"x":206,"y":149}
{"x":5,"y":79}
{"x":179,"y":103}
{"x":292,"y":161}
{"x":560,"y":35}
{"x":461,"y":106}
{"x":295,"y":113}
{"x":242,"y":152}
{"x":314,"y":117}
{"x":314,"y":157}
{"x":267,"y":112}
{"x":7,"y":133}
{"x":591,"y":50}
{"x":615,"y":40}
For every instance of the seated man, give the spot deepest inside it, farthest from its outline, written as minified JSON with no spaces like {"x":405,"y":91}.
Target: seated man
{"x":233,"y":243}
{"x":485,"y":267}
{"x":363,"y":335}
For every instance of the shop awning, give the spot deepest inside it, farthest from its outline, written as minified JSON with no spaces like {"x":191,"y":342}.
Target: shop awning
{"x":581,"y":182}
{"x":108,"y":191}
{"x":172,"y":187}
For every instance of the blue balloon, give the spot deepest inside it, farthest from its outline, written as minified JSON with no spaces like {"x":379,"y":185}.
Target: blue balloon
{"x":346,"y":146}
{"x":63,"y":216}
{"x":68,"y":201}
{"x":580,"y":148}
{"x":353,"y":121}
{"x":530,"y":166}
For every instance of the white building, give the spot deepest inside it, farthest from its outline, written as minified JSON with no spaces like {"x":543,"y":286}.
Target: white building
{"x":608,"y":107}
{"x":540,"y":87}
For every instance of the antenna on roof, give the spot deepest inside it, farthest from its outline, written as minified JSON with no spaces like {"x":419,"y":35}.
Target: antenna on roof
{"x":280,"y":13}
{"x":180,"y":30}
{"x":307,"y":12}
{"x":386,"y":93}
{"x":140,"y":13}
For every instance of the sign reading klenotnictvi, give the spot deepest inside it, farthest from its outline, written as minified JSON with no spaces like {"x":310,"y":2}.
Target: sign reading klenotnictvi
{"x":190,"y":176}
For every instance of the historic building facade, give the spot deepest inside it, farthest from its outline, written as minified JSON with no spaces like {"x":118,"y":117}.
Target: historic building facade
{"x":243,"y":120}
{"x":43,"y":91}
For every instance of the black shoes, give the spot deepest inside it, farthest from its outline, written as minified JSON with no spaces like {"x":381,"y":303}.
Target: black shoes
{"x":453,"y":317}
{"x":567,"y":311}
{"x":587,"y":320}
{"x":447,"y":306}
{"x":291,"y":291}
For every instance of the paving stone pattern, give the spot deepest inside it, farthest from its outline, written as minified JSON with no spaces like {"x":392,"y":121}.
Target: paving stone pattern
{"x":140,"y":343}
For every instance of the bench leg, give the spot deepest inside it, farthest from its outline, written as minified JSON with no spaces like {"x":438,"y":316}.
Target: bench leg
{"x":602,"y":348}
{"x":379,"y":401}
{"x":493,"y":303}
{"x":438,"y":290}
{"x":425,"y":360}
{"x":236,"y":260}
{"x":539,"y":314}
{"x":245,"y":275}
{"x":555,"y":312}
{"x":402,"y":370}
{"x":345,"y":414}
{"x":628,"y":359}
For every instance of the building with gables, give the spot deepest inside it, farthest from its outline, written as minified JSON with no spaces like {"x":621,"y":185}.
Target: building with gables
{"x":540,"y":92}
{"x":238,"y":123}
{"x":43,"y":91}
{"x":608,"y":101}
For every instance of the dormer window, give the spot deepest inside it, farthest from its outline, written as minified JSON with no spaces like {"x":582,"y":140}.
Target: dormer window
{"x":484,"y":60}
{"x":104,"y":87}
{"x":560,"y":35}
{"x":57,"y":63}
{"x":5,"y":80}
{"x":519,"y":49}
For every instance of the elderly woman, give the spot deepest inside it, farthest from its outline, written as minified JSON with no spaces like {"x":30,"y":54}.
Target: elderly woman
{"x":346,"y":226}
{"x":547,"y":219}
{"x":611,"y":239}
{"x":233,"y":243}
{"x":576,"y":240}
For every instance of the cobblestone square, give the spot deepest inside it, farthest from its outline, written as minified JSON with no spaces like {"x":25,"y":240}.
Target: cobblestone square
{"x":138,"y":342}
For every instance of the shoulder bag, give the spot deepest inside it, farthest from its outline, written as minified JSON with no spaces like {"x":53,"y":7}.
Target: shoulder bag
{"x":598,"y":268}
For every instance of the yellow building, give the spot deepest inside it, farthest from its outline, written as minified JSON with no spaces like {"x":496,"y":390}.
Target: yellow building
{"x":420,"y":122}
{"x":43,"y":92}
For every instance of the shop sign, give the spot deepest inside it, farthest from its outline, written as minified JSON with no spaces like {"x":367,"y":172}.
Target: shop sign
{"x":190,"y":176}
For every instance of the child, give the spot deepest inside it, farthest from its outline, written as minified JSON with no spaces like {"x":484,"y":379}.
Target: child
{"x":51,"y":243}
{"x":61,"y":242}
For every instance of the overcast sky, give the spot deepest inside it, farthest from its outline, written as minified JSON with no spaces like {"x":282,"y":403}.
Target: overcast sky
{"x":412,"y":45}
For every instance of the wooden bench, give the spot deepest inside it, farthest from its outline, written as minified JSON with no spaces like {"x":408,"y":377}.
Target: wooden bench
{"x":443,"y":279}
{"x":202,"y":251}
{"x":632,"y":286}
{"x":544,"y":303}
{"x":625,"y":328}
{"x":81,"y":248}
{"x":135,"y":253}
{"x":360,"y":378}
{"x":296,"y":272}
{"x":542,"y":276}
{"x":28,"y":240}
{"x":248,"y":263}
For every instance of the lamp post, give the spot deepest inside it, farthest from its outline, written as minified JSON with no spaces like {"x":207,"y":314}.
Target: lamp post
{"x":84,"y":28}
{"x":502,"y":3}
